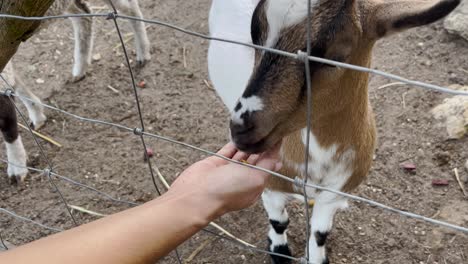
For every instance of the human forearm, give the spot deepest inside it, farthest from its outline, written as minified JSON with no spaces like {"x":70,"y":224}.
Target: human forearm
{"x":144,"y":234}
{"x":139,"y":235}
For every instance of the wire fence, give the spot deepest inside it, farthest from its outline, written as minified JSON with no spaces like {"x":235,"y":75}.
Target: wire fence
{"x":52,"y":176}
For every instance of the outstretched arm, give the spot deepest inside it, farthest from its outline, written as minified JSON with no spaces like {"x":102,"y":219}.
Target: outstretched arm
{"x":146,"y":233}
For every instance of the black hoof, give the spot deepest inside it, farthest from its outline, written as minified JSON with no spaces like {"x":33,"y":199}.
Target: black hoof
{"x":326,"y":261}
{"x":276,"y":258}
{"x":141,"y":64}
{"x":16,"y":180}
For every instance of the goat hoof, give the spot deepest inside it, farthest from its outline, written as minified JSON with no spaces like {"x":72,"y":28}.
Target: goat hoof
{"x":326,"y":261}
{"x":76,"y":79}
{"x":16,"y":174}
{"x":281,"y":249}
{"x":36,"y":125}
{"x":17,"y":179}
{"x":141,"y":63}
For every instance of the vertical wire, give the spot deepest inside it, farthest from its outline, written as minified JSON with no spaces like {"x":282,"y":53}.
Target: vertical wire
{"x":41,"y":150}
{"x":3,"y":242}
{"x":307,"y":143}
{"x":142,"y":123}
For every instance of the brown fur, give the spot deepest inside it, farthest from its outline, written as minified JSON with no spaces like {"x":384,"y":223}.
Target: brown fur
{"x":341,"y":114}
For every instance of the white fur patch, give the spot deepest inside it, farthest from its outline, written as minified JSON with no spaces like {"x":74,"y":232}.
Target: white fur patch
{"x":9,"y":75}
{"x":325,"y":208}
{"x":323,"y":168}
{"x":16,"y":155}
{"x":277,"y":239}
{"x":283,"y":14}
{"x":251,"y":104}
{"x":275,"y":204}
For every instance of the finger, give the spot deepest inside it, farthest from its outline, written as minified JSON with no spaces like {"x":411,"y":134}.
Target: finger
{"x":239,"y":156}
{"x":253,"y":159}
{"x":228,"y":151}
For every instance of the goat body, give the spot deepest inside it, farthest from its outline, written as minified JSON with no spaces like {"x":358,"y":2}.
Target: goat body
{"x":272,"y":107}
{"x":83,"y":35}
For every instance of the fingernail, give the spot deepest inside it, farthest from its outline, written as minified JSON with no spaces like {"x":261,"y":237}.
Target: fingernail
{"x":278,"y":166}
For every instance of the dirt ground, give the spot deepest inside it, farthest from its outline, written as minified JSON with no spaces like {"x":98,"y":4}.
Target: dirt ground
{"x":177,"y":103}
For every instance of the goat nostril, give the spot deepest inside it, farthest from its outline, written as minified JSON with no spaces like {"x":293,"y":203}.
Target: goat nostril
{"x":242,"y":129}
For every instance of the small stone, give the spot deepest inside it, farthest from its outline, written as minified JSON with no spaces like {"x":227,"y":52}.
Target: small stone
{"x":440,"y":182}
{"x":457,"y":21}
{"x":464,"y":176}
{"x":453,"y":114}
{"x":150,"y":153}
{"x":142,"y":84}
{"x":420,"y":44}
{"x":40,"y":81}
{"x":97,"y":57}
{"x":408,"y":167}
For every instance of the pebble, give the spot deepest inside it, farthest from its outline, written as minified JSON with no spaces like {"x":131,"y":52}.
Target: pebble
{"x":464,"y":176}
{"x":97,"y":57}
{"x":40,"y":81}
{"x":440,"y":182}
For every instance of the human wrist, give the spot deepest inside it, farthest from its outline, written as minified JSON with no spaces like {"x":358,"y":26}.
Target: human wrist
{"x":200,"y":206}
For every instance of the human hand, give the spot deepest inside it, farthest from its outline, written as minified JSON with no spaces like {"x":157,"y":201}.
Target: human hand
{"x":231,"y":185}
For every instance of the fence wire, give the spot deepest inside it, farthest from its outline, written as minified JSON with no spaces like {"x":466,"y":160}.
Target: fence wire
{"x":297,"y":181}
{"x":111,"y":198}
{"x":140,"y":131}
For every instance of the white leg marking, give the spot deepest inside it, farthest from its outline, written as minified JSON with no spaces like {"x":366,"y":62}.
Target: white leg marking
{"x":250,"y":104}
{"x":34,"y":107}
{"x":326,"y":205}
{"x":277,"y":239}
{"x":142,"y":44}
{"x":275,"y":203}
{"x":83,"y":46}
{"x":16,"y":155}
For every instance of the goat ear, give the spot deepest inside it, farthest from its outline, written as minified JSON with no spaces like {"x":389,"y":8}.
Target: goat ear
{"x":394,"y":16}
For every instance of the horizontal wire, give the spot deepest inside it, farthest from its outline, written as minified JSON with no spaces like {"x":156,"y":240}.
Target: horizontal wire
{"x":299,"y":55}
{"x":130,"y":203}
{"x":250,"y":247}
{"x":294,"y":181}
{"x":71,"y":181}
{"x":25,"y":219}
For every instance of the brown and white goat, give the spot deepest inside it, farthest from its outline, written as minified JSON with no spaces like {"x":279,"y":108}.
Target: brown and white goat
{"x":272,"y":106}
{"x":83,"y":35}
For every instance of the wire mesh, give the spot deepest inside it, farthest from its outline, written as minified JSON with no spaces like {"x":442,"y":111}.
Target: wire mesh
{"x":140,"y":131}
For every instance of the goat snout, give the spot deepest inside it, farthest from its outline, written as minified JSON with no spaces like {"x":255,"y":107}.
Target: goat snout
{"x":247,"y":136}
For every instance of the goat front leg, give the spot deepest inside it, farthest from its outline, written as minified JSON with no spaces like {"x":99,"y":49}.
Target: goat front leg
{"x":275,"y":206}
{"x":31,"y":101}
{"x":142,"y":44}
{"x":16,"y":154}
{"x":83,"y":34}
{"x":325,"y":207}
